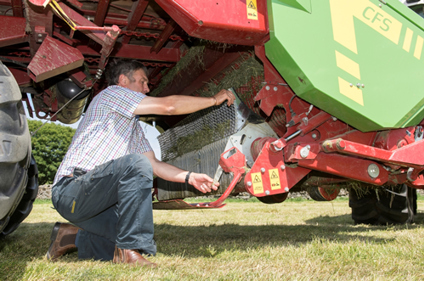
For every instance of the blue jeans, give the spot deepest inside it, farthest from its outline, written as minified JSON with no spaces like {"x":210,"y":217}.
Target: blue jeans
{"x":112,"y":204}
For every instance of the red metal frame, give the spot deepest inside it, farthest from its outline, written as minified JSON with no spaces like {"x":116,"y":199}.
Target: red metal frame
{"x":308,"y":138}
{"x":135,"y":16}
{"x":53,"y":58}
{"x":217,"y":21}
{"x":102,"y":8}
{"x":169,"y":29}
{"x":17,"y":8}
{"x":316,"y":141}
{"x":12,"y":31}
{"x":270,"y":175}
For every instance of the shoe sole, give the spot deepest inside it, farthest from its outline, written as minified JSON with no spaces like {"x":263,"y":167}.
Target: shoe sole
{"x":52,"y":239}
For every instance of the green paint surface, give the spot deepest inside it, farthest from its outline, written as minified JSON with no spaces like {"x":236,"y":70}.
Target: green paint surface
{"x":303,"y":49}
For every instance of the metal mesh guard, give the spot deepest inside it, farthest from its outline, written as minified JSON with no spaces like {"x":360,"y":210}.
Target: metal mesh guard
{"x":197,"y":130}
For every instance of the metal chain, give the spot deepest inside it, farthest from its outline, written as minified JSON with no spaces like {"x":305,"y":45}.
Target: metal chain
{"x":20,"y":54}
{"x":149,"y":35}
{"x":152,"y":64}
{"x":155,"y":64}
{"x":96,"y":60}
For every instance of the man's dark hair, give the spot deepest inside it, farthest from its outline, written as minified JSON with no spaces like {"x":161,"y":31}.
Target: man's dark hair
{"x":117,"y":67}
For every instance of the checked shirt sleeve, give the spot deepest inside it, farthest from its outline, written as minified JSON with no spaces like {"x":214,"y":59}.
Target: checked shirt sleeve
{"x":122,"y":100}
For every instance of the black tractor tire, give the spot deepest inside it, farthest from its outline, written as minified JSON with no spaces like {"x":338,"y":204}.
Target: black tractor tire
{"x":18,"y":171}
{"x":384,"y":206}
{"x":25,"y":206}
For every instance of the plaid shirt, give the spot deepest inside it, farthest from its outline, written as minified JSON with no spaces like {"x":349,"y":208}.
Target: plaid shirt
{"x":109,"y":130}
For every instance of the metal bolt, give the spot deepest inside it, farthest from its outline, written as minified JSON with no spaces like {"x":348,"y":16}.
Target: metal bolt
{"x":351,"y":84}
{"x":314,"y":136}
{"x":334,"y":118}
{"x":267,"y":192}
{"x":305,"y":120}
{"x":286,"y":189}
{"x":358,"y":85}
{"x":363,"y":86}
{"x":304,"y":152}
{"x":249,"y":183}
{"x":40,"y":35}
{"x":267,"y":88}
{"x":283,"y":167}
{"x":373,"y":171}
{"x":275,"y":89}
{"x":263,"y":170}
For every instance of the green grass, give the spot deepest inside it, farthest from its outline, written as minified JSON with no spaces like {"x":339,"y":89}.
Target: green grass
{"x":245,"y":240}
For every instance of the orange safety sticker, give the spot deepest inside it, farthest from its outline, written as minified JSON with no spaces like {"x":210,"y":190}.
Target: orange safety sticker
{"x":252,"y":10}
{"x":274,"y":179}
{"x":257,"y":183}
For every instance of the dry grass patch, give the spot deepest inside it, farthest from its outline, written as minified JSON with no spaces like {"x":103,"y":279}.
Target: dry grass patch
{"x":295,"y":240}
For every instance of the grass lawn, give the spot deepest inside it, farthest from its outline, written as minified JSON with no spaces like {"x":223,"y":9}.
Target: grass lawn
{"x":295,"y":240}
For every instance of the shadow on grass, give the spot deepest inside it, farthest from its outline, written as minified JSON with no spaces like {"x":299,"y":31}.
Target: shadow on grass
{"x":31,"y":240}
{"x":343,"y":219}
{"x":208,"y":241}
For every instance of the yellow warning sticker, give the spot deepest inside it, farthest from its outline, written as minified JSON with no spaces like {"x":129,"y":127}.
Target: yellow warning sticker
{"x":257,"y":183}
{"x":252,"y":10}
{"x":274,"y":179}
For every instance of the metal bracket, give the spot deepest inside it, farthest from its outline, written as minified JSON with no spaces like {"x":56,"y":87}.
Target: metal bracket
{"x":419,"y":133}
{"x":231,"y":161}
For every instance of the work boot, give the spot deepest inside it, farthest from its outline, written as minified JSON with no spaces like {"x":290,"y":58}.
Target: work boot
{"x":63,"y":240}
{"x":132,"y":257}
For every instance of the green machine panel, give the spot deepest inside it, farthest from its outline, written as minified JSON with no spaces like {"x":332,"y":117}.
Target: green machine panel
{"x":360,"y":60}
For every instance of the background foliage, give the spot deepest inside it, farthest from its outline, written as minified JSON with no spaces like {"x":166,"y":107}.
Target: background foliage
{"x":49,"y":146}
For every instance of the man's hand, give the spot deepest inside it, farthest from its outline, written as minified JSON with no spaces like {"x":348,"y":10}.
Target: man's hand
{"x":202,"y":182}
{"x":225,"y":95}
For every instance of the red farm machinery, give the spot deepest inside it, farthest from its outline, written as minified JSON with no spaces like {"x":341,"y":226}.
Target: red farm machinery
{"x":328,"y":93}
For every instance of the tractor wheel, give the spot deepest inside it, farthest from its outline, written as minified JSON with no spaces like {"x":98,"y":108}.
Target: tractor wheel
{"x":25,"y":206}
{"x":274,"y":199}
{"x":18,"y":172}
{"x":382,"y":206}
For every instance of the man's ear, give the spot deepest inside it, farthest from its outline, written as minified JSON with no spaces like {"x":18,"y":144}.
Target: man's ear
{"x":122,"y":80}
